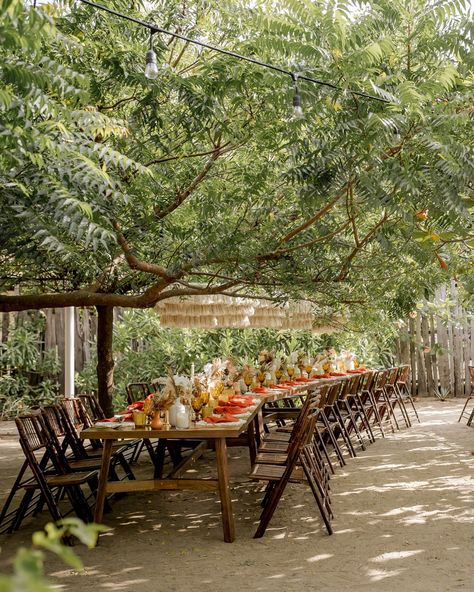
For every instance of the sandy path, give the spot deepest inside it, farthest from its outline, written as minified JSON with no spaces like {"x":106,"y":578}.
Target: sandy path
{"x":404,"y":521}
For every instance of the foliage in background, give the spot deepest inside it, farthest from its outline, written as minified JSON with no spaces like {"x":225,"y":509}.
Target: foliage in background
{"x":28,"y":374}
{"x":144,"y":350}
{"x":28,"y":565}
{"x":121,"y":190}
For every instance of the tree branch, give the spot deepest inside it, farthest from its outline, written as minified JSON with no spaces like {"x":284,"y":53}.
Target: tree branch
{"x":134,"y":262}
{"x":345,"y":268}
{"x":183,"y":194}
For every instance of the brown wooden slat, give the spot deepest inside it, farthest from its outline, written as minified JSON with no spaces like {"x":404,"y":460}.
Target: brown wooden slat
{"x":162,"y":484}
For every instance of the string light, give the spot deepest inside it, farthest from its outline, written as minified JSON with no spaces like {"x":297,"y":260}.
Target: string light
{"x":155,"y":29}
{"x":297,"y":109}
{"x":151,"y":69}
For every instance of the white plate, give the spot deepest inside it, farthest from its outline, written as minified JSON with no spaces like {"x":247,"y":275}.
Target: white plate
{"x":230,"y":424}
{"x":114,"y":424}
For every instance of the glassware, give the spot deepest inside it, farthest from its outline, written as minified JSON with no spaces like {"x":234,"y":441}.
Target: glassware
{"x":205,"y":396}
{"x":279,"y":374}
{"x":248,"y":379}
{"x":290,"y":371}
{"x":182,"y":418}
{"x":261,"y":377}
{"x":139,"y":418}
{"x":308,"y":369}
{"x":197,"y":404}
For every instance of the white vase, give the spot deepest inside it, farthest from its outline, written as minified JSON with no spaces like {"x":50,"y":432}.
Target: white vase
{"x":182,"y":417}
{"x":175,"y":407}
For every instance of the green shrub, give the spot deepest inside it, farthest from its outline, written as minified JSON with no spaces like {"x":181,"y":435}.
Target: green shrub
{"x":28,"y":375}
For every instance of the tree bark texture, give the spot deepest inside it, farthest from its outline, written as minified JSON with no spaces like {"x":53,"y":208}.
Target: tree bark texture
{"x":105,"y":358}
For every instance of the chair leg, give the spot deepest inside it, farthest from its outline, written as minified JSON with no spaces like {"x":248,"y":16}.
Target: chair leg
{"x":352,"y":423}
{"x":270,"y":507}
{"x":460,"y":417}
{"x":317,"y":495}
{"x":471,"y":418}
{"x":375,"y":410}
{"x":363,"y":415}
{"x":21,"y":511}
{"x":333,"y":439}
{"x":345,"y":435}
{"x":391,"y":410}
{"x":319,"y":443}
{"x":13,"y":490}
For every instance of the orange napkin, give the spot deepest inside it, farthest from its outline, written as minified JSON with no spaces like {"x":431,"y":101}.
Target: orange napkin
{"x":235,"y":402}
{"x":338,"y":374}
{"x":136,"y":405}
{"x":220,"y":419}
{"x":244,"y":401}
{"x":259,"y":389}
{"x":322,"y":376}
{"x":228,"y":409}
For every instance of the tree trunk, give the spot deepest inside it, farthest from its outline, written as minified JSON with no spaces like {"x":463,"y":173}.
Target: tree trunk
{"x":105,"y":358}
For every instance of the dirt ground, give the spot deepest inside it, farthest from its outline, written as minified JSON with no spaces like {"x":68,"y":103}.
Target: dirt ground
{"x":404,"y":520}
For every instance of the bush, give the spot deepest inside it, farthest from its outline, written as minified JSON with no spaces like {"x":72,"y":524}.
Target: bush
{"x":28,"y":375}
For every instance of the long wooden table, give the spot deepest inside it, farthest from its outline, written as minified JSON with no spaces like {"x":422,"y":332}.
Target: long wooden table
{"x":218,"y":434}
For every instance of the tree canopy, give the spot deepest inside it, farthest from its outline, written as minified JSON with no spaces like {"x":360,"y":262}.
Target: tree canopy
{"x":119,"y":190}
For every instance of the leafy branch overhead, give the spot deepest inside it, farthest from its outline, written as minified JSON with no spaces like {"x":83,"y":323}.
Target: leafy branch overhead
{"x":118,"y":190}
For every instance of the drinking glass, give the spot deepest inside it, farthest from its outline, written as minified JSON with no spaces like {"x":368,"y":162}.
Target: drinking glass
{"x":290,"y":371}
{"x":197,"y":404}
{"x":261,"y":377}
{"x":248,"y":379}
{"x":308,"y":369}
{"x":279,"y":374}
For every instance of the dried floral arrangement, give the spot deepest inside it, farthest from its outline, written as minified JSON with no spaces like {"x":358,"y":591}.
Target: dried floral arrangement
{"x":158,"y":402}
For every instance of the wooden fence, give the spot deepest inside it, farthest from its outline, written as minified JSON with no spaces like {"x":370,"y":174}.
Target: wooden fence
{"x":52,"y":337}
{"x":439,"y":347}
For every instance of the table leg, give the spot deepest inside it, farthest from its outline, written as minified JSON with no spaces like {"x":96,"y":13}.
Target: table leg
{"x":103,"y":478}
{"x":252,"y":442}
{"x":160,"y":458}
{"x":224,"y":491}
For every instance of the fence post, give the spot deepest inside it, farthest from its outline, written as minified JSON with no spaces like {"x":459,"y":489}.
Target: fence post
{"x":69,"y":351}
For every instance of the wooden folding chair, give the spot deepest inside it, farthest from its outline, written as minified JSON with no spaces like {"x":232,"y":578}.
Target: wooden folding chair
{"x":278,"y":476}
{"x":466,"y":413}
{"x":275,"y":446}
{"x":367,"y":400}
{"x":394,"y":395}
{"x":401,"y":384}
{"x":137,"y":391}
{"x":349,"y":412}
{"x":360,"y":409}
{"x":62,"y":428}
{"x":382,"y":402}
{"x":34,"y":441}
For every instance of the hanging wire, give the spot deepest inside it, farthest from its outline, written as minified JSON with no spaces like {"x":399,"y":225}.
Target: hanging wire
{"x":155,"y":29}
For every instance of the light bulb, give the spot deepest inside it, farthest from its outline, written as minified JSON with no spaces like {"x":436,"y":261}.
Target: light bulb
{"x":151,"y":69}
{"x":297,"y":110}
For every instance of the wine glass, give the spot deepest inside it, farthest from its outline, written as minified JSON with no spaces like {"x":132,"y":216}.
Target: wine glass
{"x":290,"y":371}
{"x":248,"y":379}
{"x":197,"y":404}
{"x":261,"y":377}
{"x":279,"y":374}
{"x":308,"y":369}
